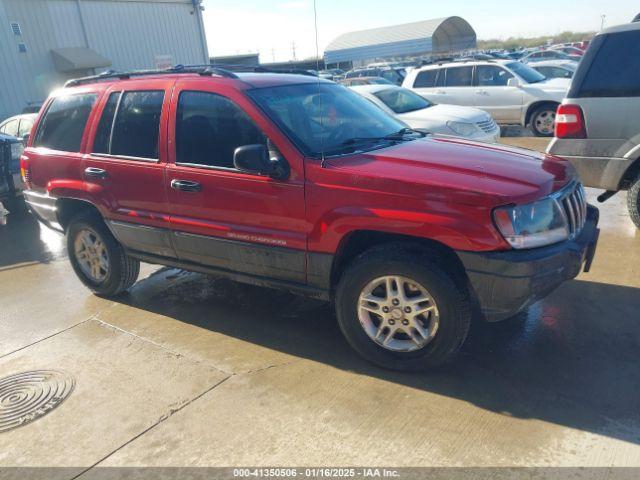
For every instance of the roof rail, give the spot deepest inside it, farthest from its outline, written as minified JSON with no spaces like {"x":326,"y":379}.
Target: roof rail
{"x":261,"y":69}
{"x":226,"y":71}
{"x":113,"y":74}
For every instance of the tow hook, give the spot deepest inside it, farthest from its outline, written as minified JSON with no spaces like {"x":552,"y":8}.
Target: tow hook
{"x":603,"y":197}
{"x":3,"y":214}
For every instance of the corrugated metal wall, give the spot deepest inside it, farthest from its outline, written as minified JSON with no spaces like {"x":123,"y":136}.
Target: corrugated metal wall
{"x":129,"y":33}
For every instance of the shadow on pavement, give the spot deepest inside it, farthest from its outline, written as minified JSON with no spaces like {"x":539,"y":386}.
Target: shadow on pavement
{"x":571,"y":360}
{"x":24,"y":241}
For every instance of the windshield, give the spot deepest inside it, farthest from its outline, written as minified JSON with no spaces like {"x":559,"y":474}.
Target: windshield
{"x":325,"y":117}
{"x":525,"y":72}
{"x":402,"y":101}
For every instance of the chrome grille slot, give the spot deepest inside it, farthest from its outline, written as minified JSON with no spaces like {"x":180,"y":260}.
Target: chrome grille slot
{"x":574,"y":205}
{"x":487,"y":126}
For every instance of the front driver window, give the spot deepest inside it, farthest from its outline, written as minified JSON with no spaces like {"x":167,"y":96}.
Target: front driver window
{"x":210,"y":127}
{"x":492,"y":76}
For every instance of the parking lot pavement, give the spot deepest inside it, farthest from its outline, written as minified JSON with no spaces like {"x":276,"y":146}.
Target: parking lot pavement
{"x":190,"y":370}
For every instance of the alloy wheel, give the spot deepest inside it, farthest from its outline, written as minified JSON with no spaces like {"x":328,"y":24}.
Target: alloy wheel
{"x":398,"y":313}
{"x":92,"y":255}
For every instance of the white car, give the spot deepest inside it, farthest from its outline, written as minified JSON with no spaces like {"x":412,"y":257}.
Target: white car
{"x":556,"y":68}
{"x":421,"y":114}
{"x":511,"y":92}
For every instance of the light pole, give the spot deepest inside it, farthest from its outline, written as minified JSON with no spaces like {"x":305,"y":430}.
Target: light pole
{"x":602,"y":17}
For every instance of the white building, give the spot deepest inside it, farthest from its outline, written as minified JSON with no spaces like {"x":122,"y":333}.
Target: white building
{"x":43,"y":43}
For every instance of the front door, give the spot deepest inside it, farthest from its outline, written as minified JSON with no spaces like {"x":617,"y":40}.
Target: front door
{"x":222,"y":217}
{"x":126,"y":167}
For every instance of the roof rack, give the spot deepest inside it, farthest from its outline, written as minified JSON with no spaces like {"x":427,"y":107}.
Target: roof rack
{"x":113,"y":74}
{"x":204,"y":70}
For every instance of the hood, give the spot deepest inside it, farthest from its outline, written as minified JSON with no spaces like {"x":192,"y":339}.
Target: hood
{"x":552,"y":84}
{"x":445,"y":113}
{"x":458,"y":170}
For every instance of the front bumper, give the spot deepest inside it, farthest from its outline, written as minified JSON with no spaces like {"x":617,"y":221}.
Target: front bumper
{"x":507,"y":282}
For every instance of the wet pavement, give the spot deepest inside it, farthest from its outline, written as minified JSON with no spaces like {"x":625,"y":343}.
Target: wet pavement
{"x":192,"y":370}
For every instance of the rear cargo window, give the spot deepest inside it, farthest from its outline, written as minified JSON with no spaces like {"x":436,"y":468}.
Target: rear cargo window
{"x":615,"y":69}
{"x":426,"y":79}
{"x":64,"y":122}
{"x":137,"y":125}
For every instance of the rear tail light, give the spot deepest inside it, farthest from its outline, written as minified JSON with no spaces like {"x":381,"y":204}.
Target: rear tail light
{"x":25,"y":171}
{"x":570,"y":122}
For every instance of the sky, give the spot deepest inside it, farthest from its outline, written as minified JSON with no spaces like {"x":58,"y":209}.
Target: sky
{"x":275,"y":28}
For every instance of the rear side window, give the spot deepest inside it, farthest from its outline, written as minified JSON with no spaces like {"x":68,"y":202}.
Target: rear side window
{"x":137,"y":125}
{"x":11,"y":128}
{"x":426,"y":79}
{"x":25,"y":127}
{"x":63,"y":123}
{"x":615,"y":69}
{"x":210,"y":127}
{"x":459,"y":77}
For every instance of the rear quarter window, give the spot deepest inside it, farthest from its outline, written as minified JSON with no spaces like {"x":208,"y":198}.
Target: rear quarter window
{"x":615,"y":68}
{"x":426,"y":79}
{"x":64,"y":122}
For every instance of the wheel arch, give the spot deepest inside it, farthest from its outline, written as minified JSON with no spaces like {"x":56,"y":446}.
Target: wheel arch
{"x":67,"y":208}
{"x":357,"y":242}
{"x":630,"y":174}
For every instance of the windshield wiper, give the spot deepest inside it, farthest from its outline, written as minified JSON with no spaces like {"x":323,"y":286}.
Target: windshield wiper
{"x":354,"y":142}
{"x":399,"y":135}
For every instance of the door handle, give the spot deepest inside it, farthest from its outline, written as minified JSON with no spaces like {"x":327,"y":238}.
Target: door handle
{"x":441,"y":92}
{"x":482,"y":92}
{"x":95,"y":172}
{"x":186,"y":185}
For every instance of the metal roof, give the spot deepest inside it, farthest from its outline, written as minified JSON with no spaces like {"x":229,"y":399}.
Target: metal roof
{"x":439,"y":35}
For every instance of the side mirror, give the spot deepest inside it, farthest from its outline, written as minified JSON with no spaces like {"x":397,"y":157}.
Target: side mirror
{"x":25,"y":139}
{"x":255,"y":159}
{"x":513,"y":82}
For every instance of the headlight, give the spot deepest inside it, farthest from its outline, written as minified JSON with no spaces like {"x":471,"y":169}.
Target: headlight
{"x":532,"y":225}
{"x":463,"y":129}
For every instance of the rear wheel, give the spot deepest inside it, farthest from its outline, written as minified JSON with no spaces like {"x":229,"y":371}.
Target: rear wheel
{"x":401,"y":310}
{"x":543,"y":120}
{"x":633,"y":202}
{"x":97,"y":258}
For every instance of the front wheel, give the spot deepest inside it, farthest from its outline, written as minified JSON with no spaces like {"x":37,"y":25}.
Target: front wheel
{"x":401,"y":310}
{"x":633,"y":202}
{"x":97,"y":258}
{"x":543,"y":121}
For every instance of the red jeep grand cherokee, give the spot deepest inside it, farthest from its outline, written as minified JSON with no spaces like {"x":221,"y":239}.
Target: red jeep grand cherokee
{"x":293,"y":182}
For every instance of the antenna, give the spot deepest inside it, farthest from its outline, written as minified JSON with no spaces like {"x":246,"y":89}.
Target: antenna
{"x":315,"y":25}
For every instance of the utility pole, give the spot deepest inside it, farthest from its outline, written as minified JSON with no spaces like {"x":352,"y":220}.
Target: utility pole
{"x":293,"y":50}
{"x":602,"y":17}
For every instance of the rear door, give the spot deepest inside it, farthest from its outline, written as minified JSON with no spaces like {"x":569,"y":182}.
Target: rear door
{"x":458,"y":88}
{"x":493,"y":95}
{"x":125,"y":169}
{"x":427,"y":85}
{"x":222,"y":217}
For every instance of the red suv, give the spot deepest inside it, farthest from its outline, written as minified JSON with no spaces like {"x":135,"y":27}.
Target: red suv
{"x":298,"y":183}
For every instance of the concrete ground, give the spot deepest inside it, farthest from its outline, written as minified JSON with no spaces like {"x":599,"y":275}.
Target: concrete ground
{"x":190,"y":370}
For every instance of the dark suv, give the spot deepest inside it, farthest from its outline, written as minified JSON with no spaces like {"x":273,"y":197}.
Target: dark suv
{"x":298,"y":183}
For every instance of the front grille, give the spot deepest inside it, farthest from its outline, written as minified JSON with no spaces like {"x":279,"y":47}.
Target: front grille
{"x":487,"y":126}
{"x":574,"y":205}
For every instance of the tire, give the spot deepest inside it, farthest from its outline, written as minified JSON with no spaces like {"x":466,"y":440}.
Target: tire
{"x":540,"y":119}
{"x":633,"y":202}
{"x":447,"y":293}
{"x":121,"y":270}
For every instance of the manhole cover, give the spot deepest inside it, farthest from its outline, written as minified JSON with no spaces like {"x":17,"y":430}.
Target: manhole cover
{"x":27,"y":396}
